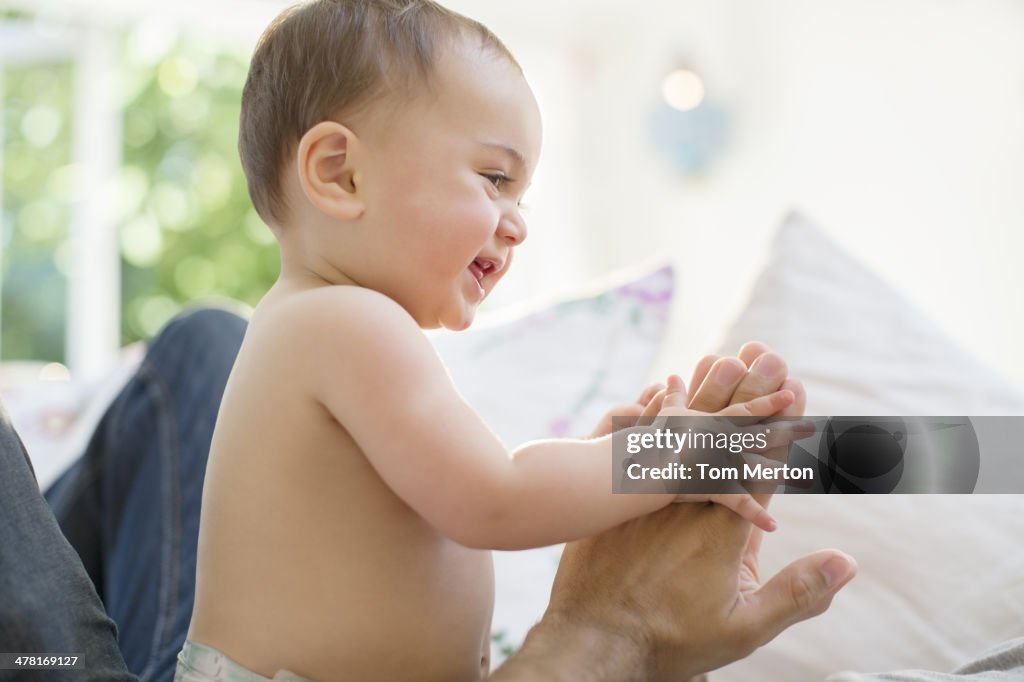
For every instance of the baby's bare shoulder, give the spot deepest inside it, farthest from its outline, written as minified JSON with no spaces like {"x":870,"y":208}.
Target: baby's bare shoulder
{"x":331,"y":320}
{"x":319,"y":309}
{"x":334,"y":301}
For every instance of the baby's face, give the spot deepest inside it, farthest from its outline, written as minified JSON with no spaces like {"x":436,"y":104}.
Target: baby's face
{"x":444,"y":182}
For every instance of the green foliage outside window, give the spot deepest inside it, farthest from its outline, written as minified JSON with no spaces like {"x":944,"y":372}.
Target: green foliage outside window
{"x":186,"y":228}
{"x":35,"y":210}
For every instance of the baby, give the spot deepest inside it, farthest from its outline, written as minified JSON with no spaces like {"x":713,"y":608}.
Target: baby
{"x":351,"y":494}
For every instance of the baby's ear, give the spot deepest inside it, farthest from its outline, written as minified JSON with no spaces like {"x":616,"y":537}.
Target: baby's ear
{"x":327,"y":171}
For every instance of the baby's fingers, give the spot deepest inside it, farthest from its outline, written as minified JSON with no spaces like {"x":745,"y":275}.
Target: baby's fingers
{"x":650,"y":392}
{"x":652,"y":408}
{"x":748,"y":508}
{"x":675,"y":392}
{"x":765,"y":406}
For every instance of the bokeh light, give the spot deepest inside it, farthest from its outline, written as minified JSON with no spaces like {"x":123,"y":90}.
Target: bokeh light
{"x":141,"y":241}
{"x":683,"y":90}
{"x":54,"y":371}
{"x":40,"y":125}
{"x":177,"y":76}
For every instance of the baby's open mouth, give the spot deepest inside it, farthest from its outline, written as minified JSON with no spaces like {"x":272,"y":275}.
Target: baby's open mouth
{"x":481,"y":267}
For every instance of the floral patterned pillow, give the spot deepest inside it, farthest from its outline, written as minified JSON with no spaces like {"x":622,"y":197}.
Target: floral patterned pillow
{"x":554,"y":371}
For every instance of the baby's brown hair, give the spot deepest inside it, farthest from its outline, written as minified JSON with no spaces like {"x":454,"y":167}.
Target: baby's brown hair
{"x":329,"y":58}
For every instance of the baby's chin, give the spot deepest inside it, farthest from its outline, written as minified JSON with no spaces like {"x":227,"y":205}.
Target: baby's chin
{"x":459,"y":325}
{"x":458,"y":321}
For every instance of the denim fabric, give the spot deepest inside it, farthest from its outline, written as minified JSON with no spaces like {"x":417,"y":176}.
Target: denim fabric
{"x":47,"y":602}
{"x":130,"y":505}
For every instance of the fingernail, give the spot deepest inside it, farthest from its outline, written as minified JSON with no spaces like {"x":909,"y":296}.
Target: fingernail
{"x":767,"y":365}
{"x":728,"y":373}
{"x":835,"y":570}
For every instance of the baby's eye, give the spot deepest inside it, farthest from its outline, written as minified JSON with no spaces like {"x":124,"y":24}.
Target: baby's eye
{"x":499,"y":180}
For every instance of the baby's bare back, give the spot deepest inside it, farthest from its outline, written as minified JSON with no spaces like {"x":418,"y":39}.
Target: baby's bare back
{"x":307,"y":560}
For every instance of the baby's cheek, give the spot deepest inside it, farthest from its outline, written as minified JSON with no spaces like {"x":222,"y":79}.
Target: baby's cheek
{"x":480,"y":219}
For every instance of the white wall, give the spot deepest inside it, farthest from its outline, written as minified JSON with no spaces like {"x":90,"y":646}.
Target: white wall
{"x":898,"y":126}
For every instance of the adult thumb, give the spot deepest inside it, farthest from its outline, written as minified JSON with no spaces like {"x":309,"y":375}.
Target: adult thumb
{"x":801,"y":590}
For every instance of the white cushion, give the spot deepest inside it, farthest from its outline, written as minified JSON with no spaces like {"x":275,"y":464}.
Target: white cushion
{"x":940,"y":575}
{"x":861,"y":345}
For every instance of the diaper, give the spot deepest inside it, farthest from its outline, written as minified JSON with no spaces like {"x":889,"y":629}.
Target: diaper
{"x":198,"y":663}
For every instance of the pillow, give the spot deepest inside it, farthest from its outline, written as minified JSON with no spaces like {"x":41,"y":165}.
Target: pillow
{"x":553,"y":370}
{"x":939,"y":577}
{"x":862,"y":346}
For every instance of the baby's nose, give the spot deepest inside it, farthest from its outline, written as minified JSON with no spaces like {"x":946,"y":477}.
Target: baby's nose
{"x":512,"y":229}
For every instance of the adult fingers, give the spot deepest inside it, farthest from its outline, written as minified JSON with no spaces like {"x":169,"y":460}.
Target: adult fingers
{"x":700,"y":372}
{"x":728,"y":533}
{"x":767,"y":373}
{"x":751,"y":351}
{"x":716,"y":391}
{"x":754,"y":541}
{"x":801,"y":590}
{"x":764,"y":406}
{"x":800,"y":403}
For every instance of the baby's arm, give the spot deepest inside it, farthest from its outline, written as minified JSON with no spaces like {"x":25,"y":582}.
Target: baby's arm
{"x":376,"y":374}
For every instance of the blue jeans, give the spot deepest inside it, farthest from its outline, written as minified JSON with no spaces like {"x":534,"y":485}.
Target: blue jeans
{"x":120,"y":544}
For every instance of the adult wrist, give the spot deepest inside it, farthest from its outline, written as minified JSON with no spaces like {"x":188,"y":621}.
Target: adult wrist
{"x":562,"y":648}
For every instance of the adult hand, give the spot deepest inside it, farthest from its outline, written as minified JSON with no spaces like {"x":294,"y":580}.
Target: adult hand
{"x":683,"y":586}
{"x":678,"y":592}
{"x":719,"y":381}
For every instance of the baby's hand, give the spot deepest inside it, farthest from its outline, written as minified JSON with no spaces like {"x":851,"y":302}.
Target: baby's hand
{"x":672,"y":403}
{"x":632,"y":411}
{"x":755,"y":407}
